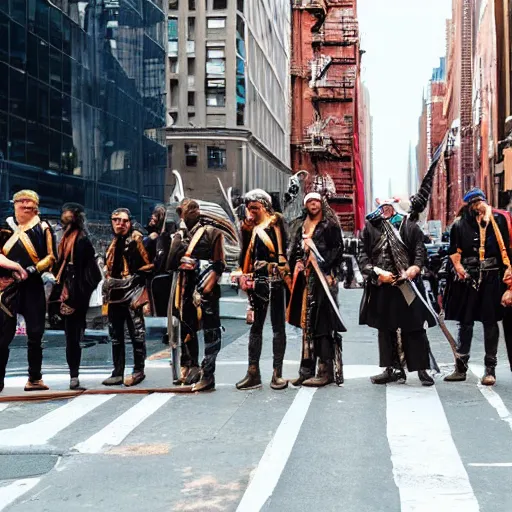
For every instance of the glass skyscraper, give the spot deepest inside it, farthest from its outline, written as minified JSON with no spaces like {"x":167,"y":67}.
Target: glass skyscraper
{"x":82,"y":103}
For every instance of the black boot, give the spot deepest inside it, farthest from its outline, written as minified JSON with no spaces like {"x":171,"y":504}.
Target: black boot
{"x":113,"y":381}
{"x":489,"y":378}
{"x":277,"y":381}
{"x":387,"y":376}
{"x":460,"y":372}
{"x":206,"y":382}
{"x":425,"y":378}
{"x":194,"y":375}
{"x":323,"y":378}
{"x":184,"y":370}
{"x":252,"y":379}
{"x":4,"y":357}
{"x":401,"y":376}
{"x":304,"y":374}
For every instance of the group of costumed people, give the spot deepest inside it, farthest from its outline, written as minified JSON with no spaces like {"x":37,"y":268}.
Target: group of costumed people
{"x":478,"y":288}
{"x":292,"y":270}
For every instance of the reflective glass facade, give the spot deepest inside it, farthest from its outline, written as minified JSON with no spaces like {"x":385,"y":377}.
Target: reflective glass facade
{"x":82,"y":103}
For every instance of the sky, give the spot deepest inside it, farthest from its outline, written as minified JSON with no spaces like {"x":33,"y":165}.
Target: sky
{"x":403,"y":41}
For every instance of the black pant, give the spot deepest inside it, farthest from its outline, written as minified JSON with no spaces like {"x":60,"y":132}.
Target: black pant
{"x":74,"y":327}
{"x":119,"y":316}
{"x":323,"y":350}
{"x":261,"y":297}
{"x":212,"y":332}
{"x":491,"y":339}
{"x":415,"y":345}
{"x":31,"y":304}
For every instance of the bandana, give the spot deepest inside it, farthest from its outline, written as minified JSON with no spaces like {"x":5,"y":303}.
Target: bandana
{"x":258,"y":195}
{"x":312,"y":196}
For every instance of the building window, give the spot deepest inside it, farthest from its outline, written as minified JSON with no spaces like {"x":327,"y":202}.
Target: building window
{"x":240,"y":72}
{"x":173,"y":65}
{"x":240,"y":5}
{"x":220,"y":4}
{"x":191,"y":155}
{"x":215,"y":77}
{"x":216,"y":93}
{"x":191,"y":28}
{"x":191,"y":5}
{"x":216,"y":157}
{"x":172,"y":36}
{"x":191,"y":99}
{"x":174,"y":5}
{"x":216,"y":23}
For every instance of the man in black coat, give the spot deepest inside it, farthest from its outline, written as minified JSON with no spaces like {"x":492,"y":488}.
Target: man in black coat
{"x":31,"y":244}
{"x":77,"y":276}
{"x":389,"y":303}
{"x":479,"y":246}
{"x":310,"y":308}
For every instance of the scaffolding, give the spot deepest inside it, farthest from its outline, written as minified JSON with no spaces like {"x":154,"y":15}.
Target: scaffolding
{"x":332,"y":136}
{"x":332,"y":82}
{"x":310,"y":5}
{"x":340,"y":27}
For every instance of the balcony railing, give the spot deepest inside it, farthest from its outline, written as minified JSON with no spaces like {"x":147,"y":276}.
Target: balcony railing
{"x":312,"y":5}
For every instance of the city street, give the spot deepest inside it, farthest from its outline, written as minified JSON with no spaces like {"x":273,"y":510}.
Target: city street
{"x":356,"y":448}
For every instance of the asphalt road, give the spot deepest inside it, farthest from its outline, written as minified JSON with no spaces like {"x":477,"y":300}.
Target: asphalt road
{"x":356,"y":448}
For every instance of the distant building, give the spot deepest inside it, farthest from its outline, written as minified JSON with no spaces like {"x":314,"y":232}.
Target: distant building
{"x":229,"y":95}
{"x":366,"y":146}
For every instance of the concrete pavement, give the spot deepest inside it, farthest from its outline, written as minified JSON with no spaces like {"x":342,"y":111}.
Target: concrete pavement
{"x":354,"y":448}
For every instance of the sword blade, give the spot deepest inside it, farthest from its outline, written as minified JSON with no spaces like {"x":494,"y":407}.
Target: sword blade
{"x":439,"y":319}
{"x":325,"y":286}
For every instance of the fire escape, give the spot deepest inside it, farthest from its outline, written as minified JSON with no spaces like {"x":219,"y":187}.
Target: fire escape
{"x":332,"y":76}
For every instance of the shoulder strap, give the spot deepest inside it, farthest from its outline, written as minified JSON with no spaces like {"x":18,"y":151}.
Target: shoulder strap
{"x":506,"y":214}
{"x":195,"y":240}
{"x":501,"y":243}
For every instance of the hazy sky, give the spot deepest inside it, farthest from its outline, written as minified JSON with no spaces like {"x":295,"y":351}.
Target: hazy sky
{"x":403,"y":40}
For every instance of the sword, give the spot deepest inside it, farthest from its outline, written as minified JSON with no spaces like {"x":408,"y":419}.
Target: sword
{"x":325,"y":286}
{"x":439,"y":319}
{"x":173,"y":327}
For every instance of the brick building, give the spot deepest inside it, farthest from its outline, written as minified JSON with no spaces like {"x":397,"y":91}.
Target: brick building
{"x":325,"y":69}
{"x":477,"y":147}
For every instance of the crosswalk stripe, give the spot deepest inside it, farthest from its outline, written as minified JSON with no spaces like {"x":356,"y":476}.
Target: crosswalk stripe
{"x":40,"y":431}
{"x":13,"y":491}
{"x":114,"y":433}
{"x":276,"y":455}
{"x":426,"y":464}
{"x":495,"y":400}
{"x":3,"y":407}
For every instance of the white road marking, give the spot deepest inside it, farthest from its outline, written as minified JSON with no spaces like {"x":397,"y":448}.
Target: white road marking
{"x":3,"y":407}
{"x":495,"y":400}
{"x":426,"y":464}
{"x":114,"y":433}
{"x":10,"y":493}
{"x":491,"y":464}
{"x":55,"y":379}
{"x":40,"y":431}
{"x":271,"y":465}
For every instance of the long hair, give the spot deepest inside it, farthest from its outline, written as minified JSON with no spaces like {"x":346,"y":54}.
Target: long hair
{"x":327,"y":212}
